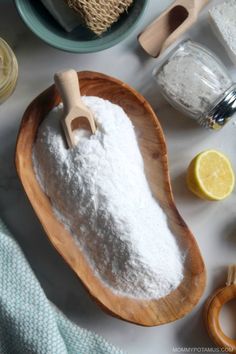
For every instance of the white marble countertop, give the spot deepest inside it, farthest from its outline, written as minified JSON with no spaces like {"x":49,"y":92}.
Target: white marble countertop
{"x":213,"y":224}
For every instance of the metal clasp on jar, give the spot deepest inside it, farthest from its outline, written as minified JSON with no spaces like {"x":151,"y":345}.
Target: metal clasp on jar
{"x":222,"y":112}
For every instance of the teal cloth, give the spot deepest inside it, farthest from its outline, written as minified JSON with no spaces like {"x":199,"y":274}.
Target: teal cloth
{"x":29,"y":323}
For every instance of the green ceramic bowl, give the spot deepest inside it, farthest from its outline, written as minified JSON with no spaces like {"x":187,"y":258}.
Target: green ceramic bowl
{"x":81,"y":40}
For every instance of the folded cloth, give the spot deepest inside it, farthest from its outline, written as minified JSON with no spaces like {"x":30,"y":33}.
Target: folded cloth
{"x":29,"y":323}
{"x":63,"y":14}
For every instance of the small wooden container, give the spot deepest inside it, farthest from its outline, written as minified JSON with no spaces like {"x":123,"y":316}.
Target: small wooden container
{"x":212,"y":312}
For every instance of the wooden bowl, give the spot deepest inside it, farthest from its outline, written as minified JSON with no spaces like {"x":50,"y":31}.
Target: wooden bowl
{"x":153,"y":148}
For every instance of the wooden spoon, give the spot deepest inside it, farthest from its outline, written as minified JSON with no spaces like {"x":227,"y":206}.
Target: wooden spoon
{"x":170,"y":25}
{"x":153,"y":148}
{"x":67,"y":84}
{"x":212,"y":311}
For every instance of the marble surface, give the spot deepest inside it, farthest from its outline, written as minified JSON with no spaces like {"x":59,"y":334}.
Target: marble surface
{"x":213,"y":224}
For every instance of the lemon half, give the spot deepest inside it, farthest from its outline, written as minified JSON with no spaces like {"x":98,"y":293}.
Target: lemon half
{"x":210,"y":176}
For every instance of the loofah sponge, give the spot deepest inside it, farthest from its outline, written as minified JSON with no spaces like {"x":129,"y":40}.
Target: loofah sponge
{"x":99,"y":15}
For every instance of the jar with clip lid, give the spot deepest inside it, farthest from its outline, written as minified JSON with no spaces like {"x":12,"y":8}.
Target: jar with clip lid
{"x":197,"y":83}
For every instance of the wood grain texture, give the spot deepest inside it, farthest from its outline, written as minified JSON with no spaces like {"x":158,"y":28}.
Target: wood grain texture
{"x":153,"y":148}
{"x":211,"y":317}
{"x":170,"y":25}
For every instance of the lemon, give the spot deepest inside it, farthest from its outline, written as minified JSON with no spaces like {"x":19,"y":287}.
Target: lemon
{"x":210,"y":175}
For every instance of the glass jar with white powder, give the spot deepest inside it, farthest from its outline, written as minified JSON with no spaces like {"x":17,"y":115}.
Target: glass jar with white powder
{"x":195,"y":81}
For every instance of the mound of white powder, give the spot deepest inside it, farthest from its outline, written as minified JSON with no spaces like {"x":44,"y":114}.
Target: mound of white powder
{"x":100,"y":192}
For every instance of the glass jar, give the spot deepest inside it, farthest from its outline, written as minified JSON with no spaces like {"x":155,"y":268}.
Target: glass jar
{"x":8,"y":71}
{"x":195,"y":82}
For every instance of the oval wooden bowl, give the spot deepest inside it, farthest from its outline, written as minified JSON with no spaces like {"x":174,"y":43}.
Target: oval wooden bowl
{"x":153,"y":148}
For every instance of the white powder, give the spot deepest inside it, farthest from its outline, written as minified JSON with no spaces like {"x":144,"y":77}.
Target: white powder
{"x":193,"y":80}
{"x":100,"y":192}
{"x":223,"y":21}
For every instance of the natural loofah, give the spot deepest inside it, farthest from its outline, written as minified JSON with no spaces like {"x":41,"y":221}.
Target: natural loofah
{"x":99,"y":15}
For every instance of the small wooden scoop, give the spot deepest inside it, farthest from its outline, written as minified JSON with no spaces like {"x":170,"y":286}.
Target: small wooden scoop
{"x":67,"y":84}
{"x":212,"y":312}
{"x":170,"y":25}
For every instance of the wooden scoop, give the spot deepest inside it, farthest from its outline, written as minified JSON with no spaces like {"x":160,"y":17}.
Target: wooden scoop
{"x":170,"y":25}
{"x":212,"y":312}
{"x":67,"y":84}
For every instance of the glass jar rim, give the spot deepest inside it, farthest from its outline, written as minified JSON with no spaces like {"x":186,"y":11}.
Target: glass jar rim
{"x":13,"y":66}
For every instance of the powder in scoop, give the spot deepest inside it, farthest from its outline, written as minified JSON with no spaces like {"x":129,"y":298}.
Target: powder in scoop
{"x":100,"y":192}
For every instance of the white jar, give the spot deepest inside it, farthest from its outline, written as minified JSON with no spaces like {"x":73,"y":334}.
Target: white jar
{"x":195,"y":81}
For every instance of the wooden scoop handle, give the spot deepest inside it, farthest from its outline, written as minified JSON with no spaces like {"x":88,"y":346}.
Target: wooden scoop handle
{"x":212,"y":312}
{"x":200,"y":4}
{"x":67,"y":84}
